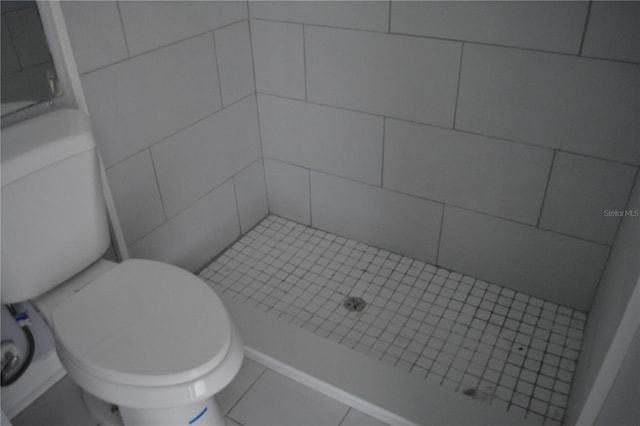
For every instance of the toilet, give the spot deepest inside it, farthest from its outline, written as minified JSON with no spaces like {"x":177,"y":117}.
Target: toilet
{"x":145,"y":336}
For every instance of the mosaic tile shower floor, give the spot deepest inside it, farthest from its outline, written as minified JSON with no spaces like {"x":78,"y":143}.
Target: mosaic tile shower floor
{"x":494,"y":344}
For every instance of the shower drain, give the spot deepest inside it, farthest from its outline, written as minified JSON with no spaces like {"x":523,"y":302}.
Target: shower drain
{"x":354,"y":304}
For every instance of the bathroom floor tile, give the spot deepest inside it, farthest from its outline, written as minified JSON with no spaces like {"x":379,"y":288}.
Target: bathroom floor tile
{"x":279,"y":401}
{"x":466,"y":334}
{"x":358,"y":418}
{"x":248,"y":374}
{"x":60,"y":405}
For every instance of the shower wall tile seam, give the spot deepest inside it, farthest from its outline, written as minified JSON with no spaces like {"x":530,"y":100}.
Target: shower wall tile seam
{"x":441,"y":203}
{"x":124,"y":34}
{"x":161,"y":47}
{"x":546,"y":188}
{"x":181,"y":130}
{"x":453,"y":129}
{"x":188,"y":206}
{"x":458,"y":40}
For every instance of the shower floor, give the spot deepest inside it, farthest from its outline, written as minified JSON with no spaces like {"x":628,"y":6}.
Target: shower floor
{"x":493,"y":344}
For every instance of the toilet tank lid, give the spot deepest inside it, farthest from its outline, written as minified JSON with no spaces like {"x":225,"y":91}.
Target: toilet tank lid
{"x":41,"y":141}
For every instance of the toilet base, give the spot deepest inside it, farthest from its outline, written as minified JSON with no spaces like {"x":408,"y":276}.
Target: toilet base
{"x":201,"y":413}
{"x":193,"y":414}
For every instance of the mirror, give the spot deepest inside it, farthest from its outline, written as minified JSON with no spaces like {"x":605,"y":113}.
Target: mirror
{"x":28,"y":73}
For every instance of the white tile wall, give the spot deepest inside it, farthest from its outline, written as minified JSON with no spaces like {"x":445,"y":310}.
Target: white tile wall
{"x":580,"y":190}
{"x":235,"y":63}
{"x":554,"y":26}
{"x":194,"y":161}
{"x":196,"y":235}
{"x":149,"y":25}
{"x":9,"y":58}
{"x":363,"y":15}
{"x":480,"y":173}
{"x":579,"y":105}
{"x":278,"y":54}
{"x":383,"y":218}
{"x":251,"y":193}
{"x":552,"y":266}
{"x":95,"y":32}
{"x":135,"y":103}
{"x":288,"y":190}
{"x":401,"y":77}
{"x":611,"y":300}
{"x":613,"y":31}
{"x":336,"y":141}
{"x":28,"y":36}
{"x":135,"y":192}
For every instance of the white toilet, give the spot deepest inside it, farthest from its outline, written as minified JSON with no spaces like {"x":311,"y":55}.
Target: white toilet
{"x":149,"y":337}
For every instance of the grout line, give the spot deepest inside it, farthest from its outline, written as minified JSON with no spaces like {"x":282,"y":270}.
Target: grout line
{"x":304,"y":59}
{"x":444,"y":206}
{"x":155,"y":175}
{"x":215,"y":58}
{"x":182,"y":129}
{"x":529,"y":225}
{"x":455,"y":107}
{"x":155,"y":49}
{"x":468,"y":132}
{"x":546,"y":189}
{"x":310,"y":210}
{"x":124,"y":34}
{"x":384,"y":132}
{"x":249,"y":388}
{"x":389,"y":24}
{"x":528,"y":49}
{"x":235,"y":197}
{"x":584,"y":29}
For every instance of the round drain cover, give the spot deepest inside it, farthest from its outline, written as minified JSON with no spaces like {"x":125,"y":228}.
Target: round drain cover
{"x":354,"y":304}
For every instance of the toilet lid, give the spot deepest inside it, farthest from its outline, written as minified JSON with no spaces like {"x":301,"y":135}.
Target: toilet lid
{"x":144,"y":323}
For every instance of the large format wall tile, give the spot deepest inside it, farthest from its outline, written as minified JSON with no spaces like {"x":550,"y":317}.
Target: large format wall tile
{"x":288,"y":190}
{"x":235,"y":63}
{"x":581,"y":105}
{"x":580,"y":190}
{"x":386,"y":219}
{"x":194,"y":161}
{"x":149,"y":25}
{"x":493,"y":176}
{"x":278,"y":53}
{"x":396,"y":76}
{"x":135,"y":193}
{"x":613,"y":31}
{"x":251,"y":193}
{"x":363,"y":15}
{"x":332,"y":140}
{"x":555,"y":26}
{"x":95,"y":32}
{"x":539,"y":262}
{"x":196,"y":235}
{"x":135,"y":103}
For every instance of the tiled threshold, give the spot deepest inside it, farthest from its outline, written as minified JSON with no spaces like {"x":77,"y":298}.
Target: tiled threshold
{"x":431,"y":347}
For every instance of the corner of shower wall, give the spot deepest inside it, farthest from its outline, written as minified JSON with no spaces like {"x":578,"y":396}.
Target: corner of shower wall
{"x":612,"y":322}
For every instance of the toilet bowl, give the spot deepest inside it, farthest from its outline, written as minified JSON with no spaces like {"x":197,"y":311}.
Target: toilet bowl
{"x":146,"y":336}
{"x":150,"y":338}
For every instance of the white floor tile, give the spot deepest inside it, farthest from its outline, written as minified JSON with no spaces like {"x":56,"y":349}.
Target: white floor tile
{"x":358,"y":418}
{"x":279,"y":401}
{"x":248,"y":374}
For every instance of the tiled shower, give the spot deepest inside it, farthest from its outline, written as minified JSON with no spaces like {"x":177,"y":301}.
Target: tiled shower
{"x":493,"y":145}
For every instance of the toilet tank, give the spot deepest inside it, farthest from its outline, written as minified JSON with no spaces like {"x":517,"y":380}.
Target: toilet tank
{"x":54,"y":219}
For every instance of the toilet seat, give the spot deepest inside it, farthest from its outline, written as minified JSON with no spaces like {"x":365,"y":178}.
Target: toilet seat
{"x":149,"y":332}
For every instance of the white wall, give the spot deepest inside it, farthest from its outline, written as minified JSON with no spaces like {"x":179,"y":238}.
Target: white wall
{"x":171,"y":93}
{"x":488,"y":138}
{"x":612,"y":299}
